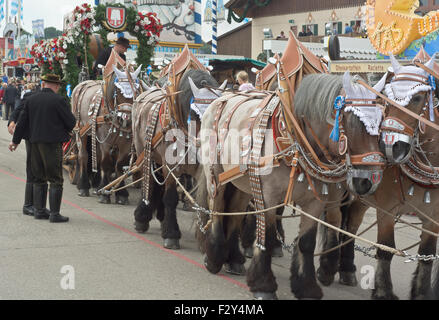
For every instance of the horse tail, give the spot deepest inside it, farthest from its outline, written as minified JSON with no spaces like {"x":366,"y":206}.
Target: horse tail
{"x":202,"y":200}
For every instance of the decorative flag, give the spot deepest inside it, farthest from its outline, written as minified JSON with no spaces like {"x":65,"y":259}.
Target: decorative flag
{"x":38,"y":28}
{"x":14,"y":8}
{"x":2,"y":11}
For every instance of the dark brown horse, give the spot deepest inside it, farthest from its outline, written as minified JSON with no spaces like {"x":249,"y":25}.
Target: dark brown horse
{"x":229,"y":187}
{"x":103,"y":110}
{"x":406,"y":185}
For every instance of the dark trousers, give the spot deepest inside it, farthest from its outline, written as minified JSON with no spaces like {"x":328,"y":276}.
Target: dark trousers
{"x":46,"y":163}
{"x":9,"y":109}
{"x":29,"y":176}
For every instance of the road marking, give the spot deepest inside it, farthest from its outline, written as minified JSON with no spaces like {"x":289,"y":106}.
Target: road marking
{"x":152,"y":243}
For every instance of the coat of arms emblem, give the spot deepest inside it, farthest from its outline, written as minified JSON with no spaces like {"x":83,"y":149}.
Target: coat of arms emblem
{"x":116,"y":18}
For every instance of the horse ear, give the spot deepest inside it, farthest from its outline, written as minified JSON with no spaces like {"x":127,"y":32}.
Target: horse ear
{"x":119,"y":73}
{"x":194,"y":88}
{"x":136,"y":73}
{"x":395,"y":64}
{"x":430,"y":64}
{"x":223,"y":86}
{"x":381,"y":84}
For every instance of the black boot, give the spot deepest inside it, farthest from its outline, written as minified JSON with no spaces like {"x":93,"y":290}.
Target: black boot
{"x":55,"y":197}
{"x":39,"y":199}
{"x":28,"y":208}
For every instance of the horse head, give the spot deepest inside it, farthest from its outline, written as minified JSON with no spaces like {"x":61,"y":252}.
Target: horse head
{"x":197,"y":93}
{"x":125,"y":89}
{"x":409,"y":87}
{"x":361,"y":120}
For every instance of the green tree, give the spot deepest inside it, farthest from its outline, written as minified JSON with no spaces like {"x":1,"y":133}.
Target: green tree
{"x":52,"y":32}
{"x":206,"y":48}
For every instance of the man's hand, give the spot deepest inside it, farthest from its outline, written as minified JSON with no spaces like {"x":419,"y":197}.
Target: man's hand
{"x":13,"y":146}
{"x":11,"y":128}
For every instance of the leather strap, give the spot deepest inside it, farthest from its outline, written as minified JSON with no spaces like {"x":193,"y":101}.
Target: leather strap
{"x":396,"y":105}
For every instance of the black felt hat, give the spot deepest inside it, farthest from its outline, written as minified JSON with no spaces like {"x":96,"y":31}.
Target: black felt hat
{"x":52,"y":78}
{"x":123,"y":42}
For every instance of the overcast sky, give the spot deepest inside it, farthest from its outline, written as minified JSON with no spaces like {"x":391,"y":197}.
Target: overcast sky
{"x":53,"y":11}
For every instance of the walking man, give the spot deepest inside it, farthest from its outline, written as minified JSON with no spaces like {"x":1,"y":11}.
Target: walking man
{"x":48,"y":119}
{"x":11,"y":93}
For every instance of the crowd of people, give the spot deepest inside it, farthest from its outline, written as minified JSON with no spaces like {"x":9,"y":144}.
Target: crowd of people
{"x":11,"y":95}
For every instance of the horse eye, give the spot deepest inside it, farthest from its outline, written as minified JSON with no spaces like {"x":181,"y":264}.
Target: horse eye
{"x":417,"y":99}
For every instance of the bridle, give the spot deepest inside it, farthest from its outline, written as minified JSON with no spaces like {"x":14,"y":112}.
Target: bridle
{"x":369,"y":159}
{"x":394,"y":130}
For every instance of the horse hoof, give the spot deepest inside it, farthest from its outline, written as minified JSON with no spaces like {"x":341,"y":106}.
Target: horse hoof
{"x":234,"y":268}
{"x":348,"y":279}
{"x":84,"y":193}
{"x":325,"y":278}
{"x":303,"y":289}
{"x":277,"y":252}
{"x":173,"y":244}
{"x":122,"y":200}
{"x":382,"y":295}
{"x":104,"y":199}
{"x":248,"y":252}
{"x":265,"y":295}
{"x":141,"y":227}
{"x":210,"y":268}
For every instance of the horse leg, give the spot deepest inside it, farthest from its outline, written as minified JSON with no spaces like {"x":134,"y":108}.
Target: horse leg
{"x":329,"y":262}
{"x":144,"y":211}
{"x":121,"y":195}
{"x":421,"y":282}
{"x":235,"y":261}
{"x":216,"y":251}
{"x":170,"y":231}
{"x":383,"y":281}
{"x":260,"y":277}
{"x":303,"y":279}
{"x":277,"y":249}
{"x":248,"y":235}
{"x":106,"y":170}
{"x":83,"y":182}
{"x":352,"y":217}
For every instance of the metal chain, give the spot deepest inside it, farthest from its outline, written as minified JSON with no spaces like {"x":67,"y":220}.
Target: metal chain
{"x":365,"y":250}
{"x":418,"y":257}
{"x":108,"y":134}
{"x":340,"y":171}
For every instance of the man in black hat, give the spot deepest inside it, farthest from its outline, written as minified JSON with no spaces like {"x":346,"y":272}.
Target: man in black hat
{"x":48,"y":120}
{"x":121,"y":46}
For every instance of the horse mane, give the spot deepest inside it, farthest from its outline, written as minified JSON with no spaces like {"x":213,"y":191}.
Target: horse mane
{"x":201,"y":78}
{"x":314,"y":99}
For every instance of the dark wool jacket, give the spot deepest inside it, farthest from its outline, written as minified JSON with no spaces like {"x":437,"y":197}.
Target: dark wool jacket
{"x":11,"y":93}
{"x":48,"y":118}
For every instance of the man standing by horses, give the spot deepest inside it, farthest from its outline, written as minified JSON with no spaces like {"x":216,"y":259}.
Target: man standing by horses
{"x":121,"y":47}
{"x":48,"y":120}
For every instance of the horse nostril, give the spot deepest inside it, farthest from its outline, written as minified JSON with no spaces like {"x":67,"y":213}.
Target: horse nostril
{"x":362,"y":186}
{"x":400,"y":151}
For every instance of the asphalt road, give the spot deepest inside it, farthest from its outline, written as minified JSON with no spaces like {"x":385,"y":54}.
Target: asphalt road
{"x":109,"y":260}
